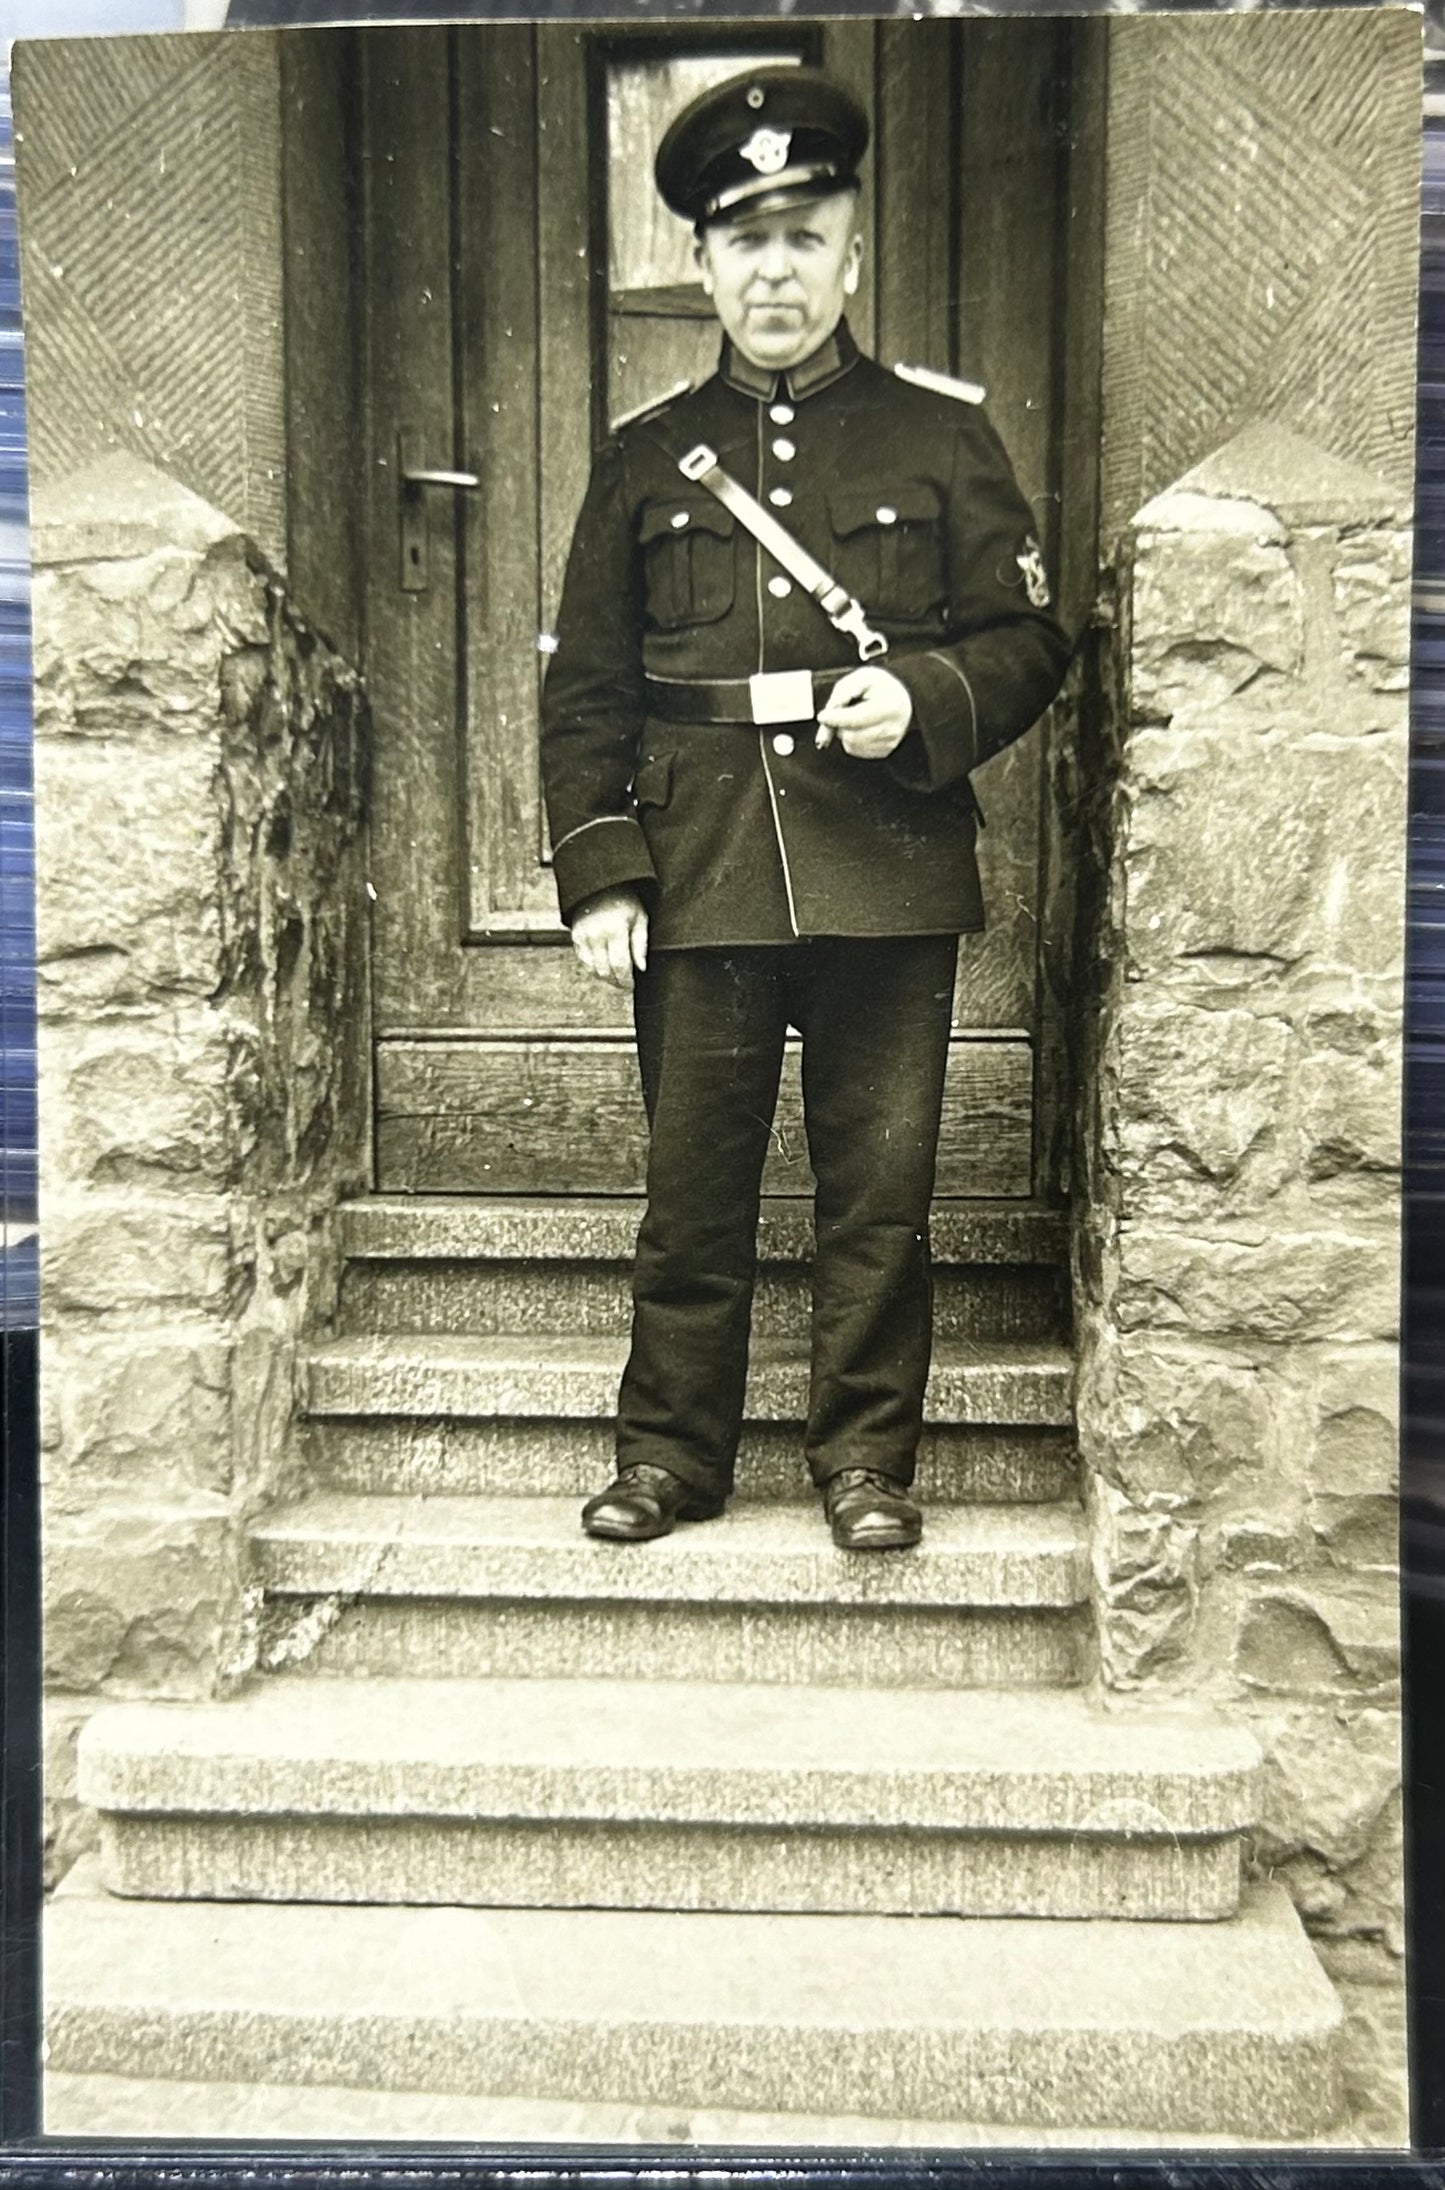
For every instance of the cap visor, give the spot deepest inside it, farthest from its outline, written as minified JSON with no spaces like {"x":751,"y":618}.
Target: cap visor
{"x":795,"y":186}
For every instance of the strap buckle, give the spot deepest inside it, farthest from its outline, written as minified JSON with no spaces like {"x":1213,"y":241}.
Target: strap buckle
{"x":697,"y":461}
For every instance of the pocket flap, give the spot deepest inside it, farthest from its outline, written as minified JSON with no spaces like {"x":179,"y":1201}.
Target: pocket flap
{"x":910,"y":502}
{"x":684,"y":514}
{"x":652,"y":785}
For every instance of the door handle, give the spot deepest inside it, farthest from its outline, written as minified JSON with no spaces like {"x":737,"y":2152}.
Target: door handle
{"x":414,"y":478}
{"x":419,"y":478}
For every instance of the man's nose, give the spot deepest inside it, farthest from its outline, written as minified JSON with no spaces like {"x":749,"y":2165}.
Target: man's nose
{"x":776,"y":263}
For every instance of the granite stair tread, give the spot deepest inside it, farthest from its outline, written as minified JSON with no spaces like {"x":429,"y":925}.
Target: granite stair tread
{"x":507,"y":1227}
{"x":995,"y":1380}
{"x":1229,"y":2027}
{"x":385,"y":1546}
{"x":740,"y":1753}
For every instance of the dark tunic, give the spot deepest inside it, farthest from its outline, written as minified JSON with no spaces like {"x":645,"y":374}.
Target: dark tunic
{"x":739,"y":834}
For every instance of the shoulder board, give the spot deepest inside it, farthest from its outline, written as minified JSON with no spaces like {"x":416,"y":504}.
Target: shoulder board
{"x":651,"y":407}
{"x":923,"y":376}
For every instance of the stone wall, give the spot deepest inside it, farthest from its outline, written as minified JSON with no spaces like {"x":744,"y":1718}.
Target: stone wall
{"x":1239,"y":1225}
{"x":203,"y":1048}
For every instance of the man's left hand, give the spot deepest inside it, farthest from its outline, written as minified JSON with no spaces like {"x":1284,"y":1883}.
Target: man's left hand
{"x":868,"y":711}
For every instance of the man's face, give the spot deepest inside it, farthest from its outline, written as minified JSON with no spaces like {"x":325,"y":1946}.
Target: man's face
{"x":779,"y":280}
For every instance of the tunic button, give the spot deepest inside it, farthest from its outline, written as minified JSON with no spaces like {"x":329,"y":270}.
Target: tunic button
{"x":783,"y":744}
{"x":783,"y":450}
{"x":679,"y":519}
{"x":782,"y":414}
{"x":780,"y":588}
{"x":780,"y":497}
{"x":886,"y":516}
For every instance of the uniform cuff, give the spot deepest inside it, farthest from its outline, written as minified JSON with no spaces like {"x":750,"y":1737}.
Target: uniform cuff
{"x":600,"y":855}
{"x":941,"y":743}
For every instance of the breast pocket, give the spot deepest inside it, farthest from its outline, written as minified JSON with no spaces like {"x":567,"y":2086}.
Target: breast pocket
{"x":890,"y":550}
{"x":687,"y":562}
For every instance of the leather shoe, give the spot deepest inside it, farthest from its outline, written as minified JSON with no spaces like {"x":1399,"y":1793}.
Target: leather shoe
{"x":643,"y":1501}
{"x":870,"y":1512}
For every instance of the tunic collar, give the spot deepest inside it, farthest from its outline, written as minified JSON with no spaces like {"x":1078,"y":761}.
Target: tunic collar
{"x":838,"y":355}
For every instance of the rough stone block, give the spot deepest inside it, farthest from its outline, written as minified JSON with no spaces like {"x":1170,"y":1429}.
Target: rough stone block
{"x":138,"y":1101}
{"x":136,"y":1597}
{"x":144,"y":1406}
{"x":1200,"y":1095}
{"x":1356,"y":1446}
{"x":1372,"y":603}
{"x":1375,"y":2054}
{"x":1258,"y":1544}
{"x":136,"y":644}
{"x":1331,"y":1777}
{"x":1359,"y":1903}
{"x":1275,"y":1285}
{"x":127,"y":896}
{"x":1160,"y":1417}
{"x":1360,"y":1534}
{"x":1320,"y":1640}
{"x":71,"y":1828}
{"x":1349,"y":1094}
{"x":1144,"y":1558}
{"x":1215,"y":607}
{"x":148,"y":1254}
{"x":1292,"y":884}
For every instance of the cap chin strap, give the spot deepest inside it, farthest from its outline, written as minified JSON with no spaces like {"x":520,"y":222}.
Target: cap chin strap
{"x":843,"y":611}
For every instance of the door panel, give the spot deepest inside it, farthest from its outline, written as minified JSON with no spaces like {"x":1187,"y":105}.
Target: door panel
{"x":522,"y":294}
{"x":523,"y":1116}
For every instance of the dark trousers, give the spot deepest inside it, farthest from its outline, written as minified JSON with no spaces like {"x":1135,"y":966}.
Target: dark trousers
{"x":874,"y":1016}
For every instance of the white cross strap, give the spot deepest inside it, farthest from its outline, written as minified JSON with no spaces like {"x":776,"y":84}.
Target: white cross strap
{"x":843,"y":612}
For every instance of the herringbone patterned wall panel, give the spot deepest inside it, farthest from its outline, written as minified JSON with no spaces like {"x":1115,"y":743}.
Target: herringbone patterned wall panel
{"x":1263,"y":223}
{"x":150,"y":191}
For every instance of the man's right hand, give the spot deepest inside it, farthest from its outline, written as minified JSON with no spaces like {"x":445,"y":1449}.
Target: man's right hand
{"x":609,"y":935}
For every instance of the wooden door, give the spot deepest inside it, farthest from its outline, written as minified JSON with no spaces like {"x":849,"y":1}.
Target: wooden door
{"x":525,"y":287}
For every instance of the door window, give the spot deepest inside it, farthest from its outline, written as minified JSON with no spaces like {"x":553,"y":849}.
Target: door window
{"x":660,"y":326}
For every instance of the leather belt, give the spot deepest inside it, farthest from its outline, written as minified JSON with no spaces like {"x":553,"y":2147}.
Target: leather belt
{"x":775,"y":695}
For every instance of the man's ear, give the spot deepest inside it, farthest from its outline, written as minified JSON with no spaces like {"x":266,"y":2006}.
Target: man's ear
{"x":699,"y":260}
{"x":853,"y":270}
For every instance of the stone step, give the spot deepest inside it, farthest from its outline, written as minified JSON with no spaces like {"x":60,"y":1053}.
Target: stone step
{"x":1018,"y":1383}
{"x":962,"y":1463}
{"x":503,"y":1264}
{"x":1217,"y":2028}
{"x":272,"y":2113}
{"x":595,"y":1298}
{"x":602,"y":1228}
{"x":497,"y":1587}
{"x":625,"y":1794}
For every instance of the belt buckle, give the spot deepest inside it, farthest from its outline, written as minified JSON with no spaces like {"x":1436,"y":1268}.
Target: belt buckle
{"x":782,"y":695}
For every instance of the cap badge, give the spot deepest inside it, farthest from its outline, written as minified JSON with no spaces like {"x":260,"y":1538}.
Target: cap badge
{"x":1035,"y":577}
{"x":767,"y":150}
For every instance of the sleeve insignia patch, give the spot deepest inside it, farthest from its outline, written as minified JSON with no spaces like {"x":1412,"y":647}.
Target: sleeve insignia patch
{"x":1036,"y":578}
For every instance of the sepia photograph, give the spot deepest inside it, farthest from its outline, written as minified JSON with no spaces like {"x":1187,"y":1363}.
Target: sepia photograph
{"x":721,"y":738}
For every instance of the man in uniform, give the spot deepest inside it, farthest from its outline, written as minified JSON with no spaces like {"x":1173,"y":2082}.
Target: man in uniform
{"x":757,"y":777}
